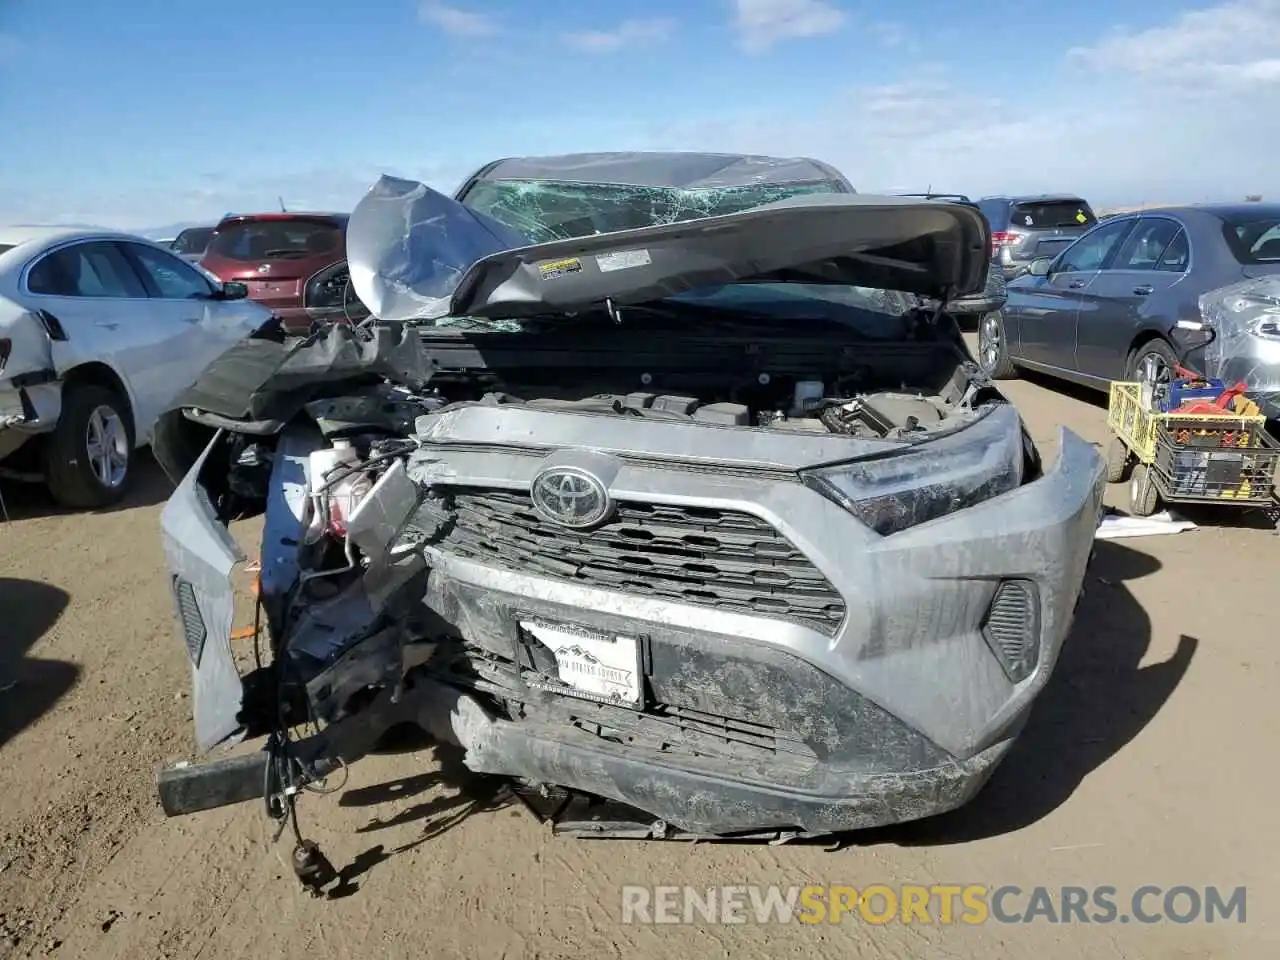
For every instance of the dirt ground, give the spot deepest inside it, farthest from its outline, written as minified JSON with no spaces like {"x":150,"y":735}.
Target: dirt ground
{"x":1147,"y":761}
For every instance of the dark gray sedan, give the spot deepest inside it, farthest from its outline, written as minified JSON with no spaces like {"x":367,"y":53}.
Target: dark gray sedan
{"x":1123,"y":302}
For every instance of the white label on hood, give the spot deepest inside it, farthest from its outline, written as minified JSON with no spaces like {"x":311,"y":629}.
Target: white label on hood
{"x":623,"y":260}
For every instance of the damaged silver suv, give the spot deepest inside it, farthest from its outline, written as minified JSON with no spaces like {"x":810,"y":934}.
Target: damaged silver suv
{"x":678,"y":516}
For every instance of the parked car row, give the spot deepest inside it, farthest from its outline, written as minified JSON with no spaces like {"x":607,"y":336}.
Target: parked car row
{"x":294,"y":263}
{"x":98,"y":332}
{"x":1065,"y":294}
{"x":1132,"y":297}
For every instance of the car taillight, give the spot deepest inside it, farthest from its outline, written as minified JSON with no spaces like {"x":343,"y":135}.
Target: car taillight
{"x":1001,"y":238}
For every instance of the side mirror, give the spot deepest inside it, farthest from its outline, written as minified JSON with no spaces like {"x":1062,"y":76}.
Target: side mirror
{"x":234,"y":290}
{"x":1040,"y":266}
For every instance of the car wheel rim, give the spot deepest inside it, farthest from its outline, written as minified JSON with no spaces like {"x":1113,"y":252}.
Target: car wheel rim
{"x":107,"y":446}
{"x":990,"y":340}
{"x":1154,"y":371}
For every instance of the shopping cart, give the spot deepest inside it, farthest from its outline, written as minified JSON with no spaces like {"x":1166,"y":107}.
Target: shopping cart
{"x":1203,"y":457}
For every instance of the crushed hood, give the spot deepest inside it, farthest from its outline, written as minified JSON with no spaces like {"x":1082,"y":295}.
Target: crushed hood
{"x":416,"y":254}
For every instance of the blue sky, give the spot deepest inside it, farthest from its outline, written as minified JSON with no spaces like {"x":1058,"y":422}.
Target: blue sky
{"x":139,"y":113}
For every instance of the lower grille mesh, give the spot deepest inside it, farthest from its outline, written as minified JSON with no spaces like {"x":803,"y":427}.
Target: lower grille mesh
{"x":193,"y":629}
{"x":1012,"y":629}
{"x":716,"y":558}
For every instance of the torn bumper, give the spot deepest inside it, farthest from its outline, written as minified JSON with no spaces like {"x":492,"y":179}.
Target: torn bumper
{"x":748,"y":724}
{"x":200,"y":555}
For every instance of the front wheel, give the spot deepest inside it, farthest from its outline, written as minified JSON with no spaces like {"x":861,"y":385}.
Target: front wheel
{"x":993,"y":348}
{"x":89,"y":456}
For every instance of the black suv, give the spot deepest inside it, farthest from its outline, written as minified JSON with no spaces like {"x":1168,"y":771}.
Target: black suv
{"x":1024,"y":228}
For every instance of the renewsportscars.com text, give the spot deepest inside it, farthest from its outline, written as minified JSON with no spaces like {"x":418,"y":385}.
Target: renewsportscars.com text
{"x":932,"y":904}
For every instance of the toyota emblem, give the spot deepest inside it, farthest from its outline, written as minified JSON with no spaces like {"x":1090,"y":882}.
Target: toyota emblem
{"x":570,"y":497}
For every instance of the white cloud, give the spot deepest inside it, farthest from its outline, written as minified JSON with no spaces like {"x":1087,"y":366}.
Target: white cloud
{"x":457,"y":21}
{"x":762,"y":23}
{"x":1227,"y":45}
{"x":889,"y":34}
{"x":1179,"y":112}
{"x":629,"y":33}
{"x":1115,"y":144}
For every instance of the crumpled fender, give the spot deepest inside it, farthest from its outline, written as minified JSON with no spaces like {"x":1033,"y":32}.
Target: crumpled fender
{"x":30,"y":349}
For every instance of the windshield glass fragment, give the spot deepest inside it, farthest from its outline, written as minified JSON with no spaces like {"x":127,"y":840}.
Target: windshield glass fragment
{"x":546,"y":210}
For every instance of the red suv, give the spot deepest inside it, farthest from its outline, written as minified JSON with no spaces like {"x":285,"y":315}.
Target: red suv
{"x":293,"y":263}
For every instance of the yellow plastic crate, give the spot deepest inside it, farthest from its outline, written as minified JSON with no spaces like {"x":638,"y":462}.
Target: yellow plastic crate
{"x":1140,"y":429}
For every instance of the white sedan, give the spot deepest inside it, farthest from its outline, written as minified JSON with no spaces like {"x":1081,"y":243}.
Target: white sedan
{"x":99,"y":332}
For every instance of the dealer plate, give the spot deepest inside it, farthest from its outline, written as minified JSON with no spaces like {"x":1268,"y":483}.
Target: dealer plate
{"x":594,"y":665}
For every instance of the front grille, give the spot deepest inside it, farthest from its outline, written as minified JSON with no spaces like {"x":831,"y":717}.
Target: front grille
{"x":1012,"y":628}
{"x":715,"y":558}
{"x":693,"y":733}
{"x":731,"y":732}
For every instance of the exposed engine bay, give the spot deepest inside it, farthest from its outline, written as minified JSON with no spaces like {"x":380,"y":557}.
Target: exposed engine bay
{"x":351,"y":501}
{"x":806,"y":407}
{"x":815,"y":382}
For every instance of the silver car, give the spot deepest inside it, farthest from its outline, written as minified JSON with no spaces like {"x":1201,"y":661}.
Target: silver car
{"x":674,"y":516}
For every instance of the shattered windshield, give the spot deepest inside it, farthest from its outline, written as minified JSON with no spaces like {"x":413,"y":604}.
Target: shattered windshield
{"x":545,"y":210}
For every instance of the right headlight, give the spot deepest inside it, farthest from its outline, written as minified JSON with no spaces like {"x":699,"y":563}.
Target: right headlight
{"x":902,"y":488}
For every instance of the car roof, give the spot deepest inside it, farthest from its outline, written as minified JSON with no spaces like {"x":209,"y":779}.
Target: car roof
{"x":285,"y":215}
{"x":17,"y":235}
{"x":51,"y":236}
{"x":1038,"y":198}
{"x":670,"y":169}
{"x":1239,"y":211}
{"x":1218,"y":211}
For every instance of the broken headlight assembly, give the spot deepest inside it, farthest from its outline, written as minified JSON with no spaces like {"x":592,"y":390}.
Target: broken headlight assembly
{"x":932,"y":479}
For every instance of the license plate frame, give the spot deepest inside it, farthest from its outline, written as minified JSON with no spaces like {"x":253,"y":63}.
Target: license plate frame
{"x":591,"y":664}
{"x":271,"y":289}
